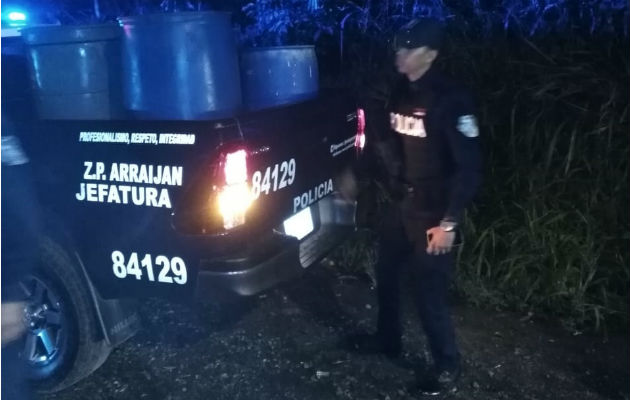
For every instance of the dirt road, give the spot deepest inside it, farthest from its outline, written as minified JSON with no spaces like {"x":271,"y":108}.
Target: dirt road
{"x":283,"y":345}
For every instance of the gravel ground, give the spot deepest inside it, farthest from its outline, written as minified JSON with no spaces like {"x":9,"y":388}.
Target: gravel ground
{"x":283,"y":345}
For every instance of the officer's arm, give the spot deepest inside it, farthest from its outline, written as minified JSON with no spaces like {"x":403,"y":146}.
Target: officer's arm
{"x":463,"y":139}
{"x":382,"y":143}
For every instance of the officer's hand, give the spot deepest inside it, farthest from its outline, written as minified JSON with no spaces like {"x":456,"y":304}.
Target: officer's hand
{"x":12,"y":324}
{"x":348,"y":186}
{"x":439,"y":241}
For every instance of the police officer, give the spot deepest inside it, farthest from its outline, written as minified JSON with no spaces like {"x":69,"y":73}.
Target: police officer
{"x":20,"y":222}
{"x":437,"y":169}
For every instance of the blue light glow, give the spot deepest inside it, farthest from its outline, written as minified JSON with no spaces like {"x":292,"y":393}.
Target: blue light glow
{"x":17,"y":16}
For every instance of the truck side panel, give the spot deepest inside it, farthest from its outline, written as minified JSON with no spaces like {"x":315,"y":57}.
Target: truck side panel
{"x":122,"y":188}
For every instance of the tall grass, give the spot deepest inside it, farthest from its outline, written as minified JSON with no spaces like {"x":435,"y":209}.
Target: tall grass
{"x":549,"y":231}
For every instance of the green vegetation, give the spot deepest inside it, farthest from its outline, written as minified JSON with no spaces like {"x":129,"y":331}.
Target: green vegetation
{"x":550,"y":229}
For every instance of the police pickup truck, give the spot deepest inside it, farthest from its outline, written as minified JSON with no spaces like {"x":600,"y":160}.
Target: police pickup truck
{"x":176,"y":209}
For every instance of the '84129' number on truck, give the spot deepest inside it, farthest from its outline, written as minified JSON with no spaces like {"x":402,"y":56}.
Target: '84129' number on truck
{"x":171,"y":270}
{"x":275,"y":178}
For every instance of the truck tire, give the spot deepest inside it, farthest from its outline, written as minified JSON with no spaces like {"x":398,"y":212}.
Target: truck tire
{"x":63,"y":343}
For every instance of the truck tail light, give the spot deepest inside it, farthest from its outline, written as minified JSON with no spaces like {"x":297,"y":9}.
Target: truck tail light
{"x":359,"y":141}
{"x":235,"y":196}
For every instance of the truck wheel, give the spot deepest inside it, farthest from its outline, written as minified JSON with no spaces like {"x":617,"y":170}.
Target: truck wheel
{"x":63,"y":343}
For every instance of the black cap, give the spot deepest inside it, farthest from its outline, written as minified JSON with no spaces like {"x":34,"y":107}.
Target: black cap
{"x":420,"y":32}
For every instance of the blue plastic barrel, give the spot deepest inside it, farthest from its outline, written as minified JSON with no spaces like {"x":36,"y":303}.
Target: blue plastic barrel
{"x":181,"y":66}
{"x":274,"y":76}
{"x":75,"y":71}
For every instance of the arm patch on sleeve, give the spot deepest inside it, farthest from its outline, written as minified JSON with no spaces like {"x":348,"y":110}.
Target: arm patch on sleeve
{"x":467,"y":125}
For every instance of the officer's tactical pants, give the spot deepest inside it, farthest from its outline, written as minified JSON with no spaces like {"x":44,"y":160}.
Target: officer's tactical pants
{"x":403,"y":241}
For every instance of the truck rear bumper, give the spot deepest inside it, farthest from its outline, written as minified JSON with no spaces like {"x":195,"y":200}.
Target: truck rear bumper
{"x":247,"y":276}
{"x":278,"y":257}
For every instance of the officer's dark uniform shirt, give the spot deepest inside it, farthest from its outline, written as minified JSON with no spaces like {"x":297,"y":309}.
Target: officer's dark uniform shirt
{"x":436,"y":127}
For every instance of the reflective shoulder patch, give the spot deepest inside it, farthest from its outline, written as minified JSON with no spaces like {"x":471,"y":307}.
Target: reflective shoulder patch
{"x":467,"y":125}
{"x":12,"y":153}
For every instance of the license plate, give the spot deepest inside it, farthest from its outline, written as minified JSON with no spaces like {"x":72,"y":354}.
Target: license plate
{"x":299,"y":225}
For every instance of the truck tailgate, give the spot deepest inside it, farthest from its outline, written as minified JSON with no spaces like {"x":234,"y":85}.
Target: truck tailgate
{"x":298,"y":156}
